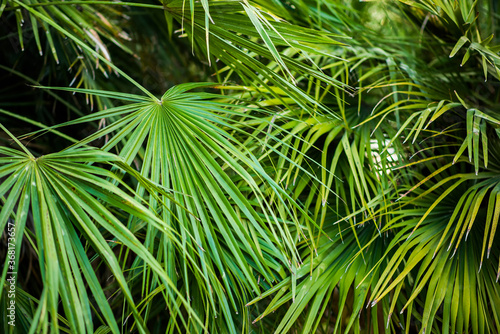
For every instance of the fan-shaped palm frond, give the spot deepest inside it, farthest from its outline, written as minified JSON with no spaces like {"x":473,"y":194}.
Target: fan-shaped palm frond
{"x":70,"y":200}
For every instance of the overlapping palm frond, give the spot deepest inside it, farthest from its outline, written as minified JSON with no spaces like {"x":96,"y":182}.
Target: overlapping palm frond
{"x":338,"y":173}
{"x":407,"y":277}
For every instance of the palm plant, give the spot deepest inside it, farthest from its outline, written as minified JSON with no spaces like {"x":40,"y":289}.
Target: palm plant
{"x":245,"y":166}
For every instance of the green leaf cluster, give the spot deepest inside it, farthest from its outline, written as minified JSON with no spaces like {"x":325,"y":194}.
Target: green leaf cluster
{"x":250,"y":166}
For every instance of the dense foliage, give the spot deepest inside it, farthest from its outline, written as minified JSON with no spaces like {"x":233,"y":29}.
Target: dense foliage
{"x":237,"y":166}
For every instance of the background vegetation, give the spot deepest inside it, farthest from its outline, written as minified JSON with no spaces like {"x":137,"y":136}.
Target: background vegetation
{"x":260,"y":166}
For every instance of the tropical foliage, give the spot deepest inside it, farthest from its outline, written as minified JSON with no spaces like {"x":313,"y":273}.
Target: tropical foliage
{"x":238,"y":166}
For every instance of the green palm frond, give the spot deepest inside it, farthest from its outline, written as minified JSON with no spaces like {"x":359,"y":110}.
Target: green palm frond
{"x":70,"y":199}
{"x":180,"y":143}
